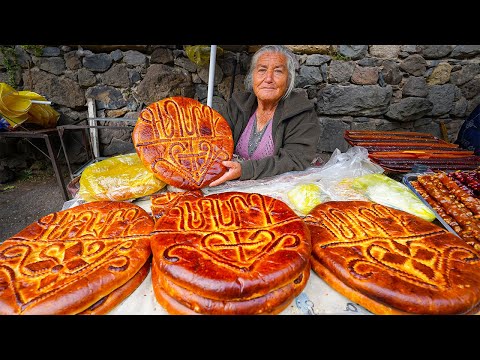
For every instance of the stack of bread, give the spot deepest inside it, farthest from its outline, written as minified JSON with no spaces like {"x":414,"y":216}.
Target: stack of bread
{"x":84,"y":260}
{"x":227,"y":254}
{"x":392,"y":262}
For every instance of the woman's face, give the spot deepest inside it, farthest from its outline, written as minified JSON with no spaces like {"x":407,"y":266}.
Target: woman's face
{"x":270,"y":77}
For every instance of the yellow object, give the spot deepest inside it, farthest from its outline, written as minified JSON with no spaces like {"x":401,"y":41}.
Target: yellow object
{"x":17,"y":107}
{"x":200,"y":54}
{"x":121,"y":177}
{"x":304,"y":197}
{"x":386,"y":191}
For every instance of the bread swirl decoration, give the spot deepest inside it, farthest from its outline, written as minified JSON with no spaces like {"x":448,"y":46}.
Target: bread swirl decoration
{"x":68,"y":260}
{"x":393,"y":259}
{"x":229,"y":245}
{"x":183,"y":142}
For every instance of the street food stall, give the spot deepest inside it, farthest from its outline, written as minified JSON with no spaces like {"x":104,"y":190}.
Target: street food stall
{"x":341,"y":237}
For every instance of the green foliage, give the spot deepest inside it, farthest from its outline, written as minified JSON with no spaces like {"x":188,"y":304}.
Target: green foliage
{"x":335,"y":55}
{"x":37,"y":50}
{"x":26,"y":174}
{"x":10,"y":60}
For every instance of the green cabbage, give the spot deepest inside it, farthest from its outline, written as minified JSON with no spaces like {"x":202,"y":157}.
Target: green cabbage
{"x":304,"y":197}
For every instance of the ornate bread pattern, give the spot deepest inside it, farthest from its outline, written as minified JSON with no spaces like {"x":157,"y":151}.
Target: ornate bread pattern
{"x":389,"y":259}
{"x":183,"y":142}
{"x":231,"y":246}
{"x":68,"y":260}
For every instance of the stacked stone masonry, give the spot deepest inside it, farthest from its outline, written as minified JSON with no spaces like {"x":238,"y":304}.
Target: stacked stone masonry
{"x":375,"y":87}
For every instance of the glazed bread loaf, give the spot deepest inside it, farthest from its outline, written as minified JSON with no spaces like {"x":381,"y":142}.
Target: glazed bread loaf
{"x":170,"y":294}
{"x":69,"y":260}
{"x":249,"y":250}
{"x":109,"y":302}
{"x":183,"y":142}
{"x":392,"y":262}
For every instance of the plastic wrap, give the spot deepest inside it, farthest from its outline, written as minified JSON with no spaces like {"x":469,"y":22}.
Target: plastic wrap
{"x":353,"y":163}
{"x":304,"y":197}
{"x":121,"y":177}
{"x":332,"y":178}
{"x":386,"y":191}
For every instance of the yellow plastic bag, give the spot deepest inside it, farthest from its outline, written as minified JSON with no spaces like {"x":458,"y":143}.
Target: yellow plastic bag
{"x":17,"y":107}
{"x":200,"y":54}
{"x":119,"y":178}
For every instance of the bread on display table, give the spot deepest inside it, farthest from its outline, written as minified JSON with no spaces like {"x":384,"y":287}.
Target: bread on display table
{"x":183,"y":142}
{"x":393,"y":262}
{"x":230,"y":253}
{"x":83,"y":260}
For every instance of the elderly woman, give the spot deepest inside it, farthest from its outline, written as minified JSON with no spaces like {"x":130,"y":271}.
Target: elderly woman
{"x":275,"y":129}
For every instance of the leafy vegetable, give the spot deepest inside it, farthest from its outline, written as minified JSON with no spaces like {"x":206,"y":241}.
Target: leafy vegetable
{"x":304,"y":197}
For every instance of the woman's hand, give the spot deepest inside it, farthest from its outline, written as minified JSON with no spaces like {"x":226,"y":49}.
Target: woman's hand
{"x":234,"y":170}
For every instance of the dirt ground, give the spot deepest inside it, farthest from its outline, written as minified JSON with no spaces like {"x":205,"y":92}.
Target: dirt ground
{"x":26,"y":200}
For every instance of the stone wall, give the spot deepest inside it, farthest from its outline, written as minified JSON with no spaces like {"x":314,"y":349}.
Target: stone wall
{"x":382,"y":87}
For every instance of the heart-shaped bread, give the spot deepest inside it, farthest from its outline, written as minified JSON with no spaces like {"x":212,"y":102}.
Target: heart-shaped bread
{"x":69,"y":260}
{"x":183,"y":142}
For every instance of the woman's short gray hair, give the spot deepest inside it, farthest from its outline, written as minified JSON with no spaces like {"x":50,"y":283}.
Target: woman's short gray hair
{"x":248,"y":82}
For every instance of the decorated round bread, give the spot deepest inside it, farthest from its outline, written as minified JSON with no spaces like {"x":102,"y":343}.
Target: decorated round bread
{"x":231,"y":246}
{"x":183,"y":142}
{"x":72,"y":259}
{"x":393,"y":262}
{"x":180,"y":301}
{"x":110,"y":301}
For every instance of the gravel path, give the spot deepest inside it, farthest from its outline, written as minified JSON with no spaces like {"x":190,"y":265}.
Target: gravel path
{"x":23,"y":202}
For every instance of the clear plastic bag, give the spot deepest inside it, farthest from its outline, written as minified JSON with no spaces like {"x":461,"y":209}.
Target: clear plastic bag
{"x":355,"y":162}
{"x":383,"y":190}
{"x":304,"y":197}
{"x":332,"y":178}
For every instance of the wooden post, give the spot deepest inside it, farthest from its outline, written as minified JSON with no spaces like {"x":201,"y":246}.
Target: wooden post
{"x":92,"y":113}
{"x":443,"y":130}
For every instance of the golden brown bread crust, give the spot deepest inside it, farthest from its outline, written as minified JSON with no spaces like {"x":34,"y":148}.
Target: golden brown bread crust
{"x":183,"y":142}
{"x":231,"y":245}
{"x":350,"y":293}
{"x":174,"y":307}
{"x":107,"y":303}
{"x":161,"y":203}
{"x":68,"y":260}
{"x":390,"y":261}
{"x":267,"y":303}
